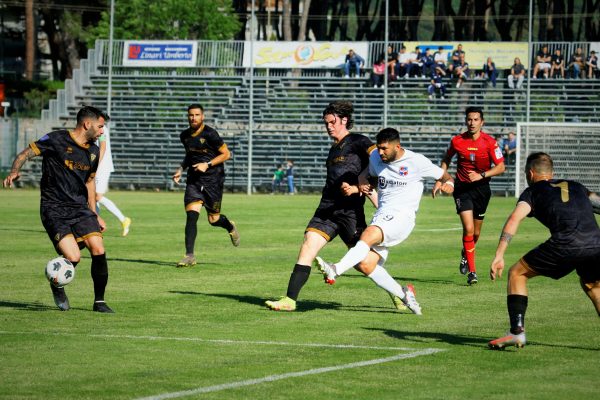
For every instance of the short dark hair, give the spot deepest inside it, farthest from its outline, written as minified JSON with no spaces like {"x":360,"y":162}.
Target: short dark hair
{"x":342,"y":109}
{"x":91,"y":112}
{"x":195,"y":106}
{"x":388,"y":135}
{"x":470,"y":110}
{"x":540,"y":162}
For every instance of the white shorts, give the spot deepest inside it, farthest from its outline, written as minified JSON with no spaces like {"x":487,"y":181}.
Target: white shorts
{"x":395,"y":225}
{"x":102,"y":178}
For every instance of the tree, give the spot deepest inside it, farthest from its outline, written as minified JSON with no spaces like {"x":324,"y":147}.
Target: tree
{"x":169,"y":20}
{"x":30,"y":40}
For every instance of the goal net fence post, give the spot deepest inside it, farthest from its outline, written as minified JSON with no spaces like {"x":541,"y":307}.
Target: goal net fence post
{"x":575,"y":149}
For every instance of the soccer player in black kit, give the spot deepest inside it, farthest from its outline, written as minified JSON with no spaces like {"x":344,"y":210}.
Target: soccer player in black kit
{"x":567,"y":209}
{"x":337,"y":213}
{"x":68,"y":197}
{"x":205,"y":153}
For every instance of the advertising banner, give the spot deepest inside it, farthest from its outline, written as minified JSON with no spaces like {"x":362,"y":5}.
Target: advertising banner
{"x":148,"y":53}
{"x":302,"y":54}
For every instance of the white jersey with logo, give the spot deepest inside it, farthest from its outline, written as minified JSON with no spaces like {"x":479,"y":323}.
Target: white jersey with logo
{"x":399,"y":190}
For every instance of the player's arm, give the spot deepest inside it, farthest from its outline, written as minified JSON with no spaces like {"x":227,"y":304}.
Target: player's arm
{"x":595,"y":200}
{"x":508,"y":231}
{"x":224,"y":155}
{"x":91,"y":189}
{"x":102,"y":145}
{"x":18,"y":162}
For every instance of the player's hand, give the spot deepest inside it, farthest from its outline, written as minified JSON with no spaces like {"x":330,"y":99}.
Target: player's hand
{"x":348,"y":190}
{"x":200,"y":167}
{"x":177,"y":176}
{"x":436,"y":188}
{"x":475,"y":176}
{"x":102,"y":224}
{"x":497,"y":267}
{"x":8,"y":181}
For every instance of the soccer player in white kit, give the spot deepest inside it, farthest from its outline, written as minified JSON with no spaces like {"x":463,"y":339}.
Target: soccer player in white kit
{"x":400,"y":173}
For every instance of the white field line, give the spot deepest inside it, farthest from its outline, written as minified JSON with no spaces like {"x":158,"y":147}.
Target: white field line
{"x":272,"y":378}
{"x":438,"y":229}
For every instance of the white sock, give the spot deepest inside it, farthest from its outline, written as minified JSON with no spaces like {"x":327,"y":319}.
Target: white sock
{"x":112,"y":207}
{"x":355,"y":255}
{"x":384,"y":280}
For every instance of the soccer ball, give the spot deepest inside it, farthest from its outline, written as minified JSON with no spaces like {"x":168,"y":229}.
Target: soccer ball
{"x":60,"y":272}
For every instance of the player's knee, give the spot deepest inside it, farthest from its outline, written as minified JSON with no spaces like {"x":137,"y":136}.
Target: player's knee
{"x":213,"y":219}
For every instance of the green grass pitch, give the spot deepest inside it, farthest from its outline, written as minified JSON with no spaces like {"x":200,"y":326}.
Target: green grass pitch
{"x":204,"y":333}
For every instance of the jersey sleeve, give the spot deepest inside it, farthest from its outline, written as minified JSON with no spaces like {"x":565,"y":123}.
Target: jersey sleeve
{"x":429,"y":169}
{"x":527,"y":197}
{"x":214,"y":139}
{"x":495,"y":151}
{"x":42,"y":145}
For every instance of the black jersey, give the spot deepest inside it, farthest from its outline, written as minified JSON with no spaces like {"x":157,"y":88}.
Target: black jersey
{"x":564,"y":208}
{"x":346,"y":160}
{"x":66,"y":168}
{"x":201,"y":146}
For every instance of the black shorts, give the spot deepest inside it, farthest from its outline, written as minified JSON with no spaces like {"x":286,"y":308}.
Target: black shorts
{"x":554,"y":261}
{"x":209,"y":193}
{"x":63,"y":221}
{"x":472,"y":197}
{"x":348,"y":223}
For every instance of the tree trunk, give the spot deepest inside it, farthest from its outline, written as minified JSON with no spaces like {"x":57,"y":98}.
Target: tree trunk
{"x":294,"y":19}
{"x":441,"y":28}
{"x":344,"y":20}
{"x":501,"y":20}
{"x":480,"y":21}
{"x":241,"y":9}
{"x":302,"y":29}
{"x":317,"y":21}
{"x":543,"y":21}
{"x":364,"y":22}
{"x":287,"y":20}
{"x":29,"y":40}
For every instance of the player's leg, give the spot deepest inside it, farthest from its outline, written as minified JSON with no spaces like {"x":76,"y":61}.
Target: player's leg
{"x":99,"y":272}
{"x":102,"y":178}
{"x":313,"y":242}
{"x":468,"y":240}
{"x":592,"y":290}
{"x":68,"y":248}
{"x":213,"y":195}
{"x":371,"y":236}
{"x":192,"y":212}
{"x":516,"y":302}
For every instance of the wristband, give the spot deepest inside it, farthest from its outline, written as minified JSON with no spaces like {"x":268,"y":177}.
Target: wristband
{"x":482,"y":174}
{"x":449,"y":183}
{"x":209,"y":163}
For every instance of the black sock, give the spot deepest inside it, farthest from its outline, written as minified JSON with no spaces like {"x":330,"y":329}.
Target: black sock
{"x":191,"y":230}
{"x":99,"y":272}
{"x":517,"y":305}
{"x":297,"y":280}
{"x":223,"y":222}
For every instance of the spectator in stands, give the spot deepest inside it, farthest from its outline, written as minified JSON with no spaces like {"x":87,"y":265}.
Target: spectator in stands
{"x":510,"y":149}
{"x":489,"y":71}
{"x":592,"y":65}
{"x":455,"y":58}
{"x":517,"y":73}
{"x":278,"y":176}
{"x":404,"y":66}
{"x":416,"y":64}
{"x":205,"y":153}
{"x":353,"y":62}
{"x":558,"y":64}
{"x":436,"y":86}
{"x":392,"y":60}
{"x":428,"y":63}
{"x":289,"y":174}
{"x":461,"y":71}
{"x":542,"y":62}
{"x":440,"y":58}
{"x":577,"y":64}
{"x":105,"y":168}
{"x":378,"y":73}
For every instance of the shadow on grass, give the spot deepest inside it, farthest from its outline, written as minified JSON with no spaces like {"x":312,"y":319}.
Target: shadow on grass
{"x":26,"y":306}
{"x":410,"y":279}
{"x":172,"y":264}
{"x":462,"y":340}
{"x":303,"y":306}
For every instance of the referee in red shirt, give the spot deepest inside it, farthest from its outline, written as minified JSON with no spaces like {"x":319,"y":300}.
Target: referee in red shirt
{"x":478,"y":159}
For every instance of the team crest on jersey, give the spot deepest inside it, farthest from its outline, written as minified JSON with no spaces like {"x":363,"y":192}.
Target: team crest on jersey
{"x":202,"y":140}
{"x":93,"y":157}
{"x":403,"y":170}
{"x":69,"y":150}
{"x":388,"y":217}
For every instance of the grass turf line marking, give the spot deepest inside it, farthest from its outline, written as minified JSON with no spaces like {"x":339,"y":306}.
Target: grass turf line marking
{"x":272,"y":378}
{"x":219,"y":341}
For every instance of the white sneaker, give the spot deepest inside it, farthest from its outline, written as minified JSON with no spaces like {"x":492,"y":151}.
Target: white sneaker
{"x":410,"y":299}
{"x":510,"y":339}
{"x":430,"y":97}
{"x":126,"y":224}
{"x":328,"y":270}
{"x":347,"y":76}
